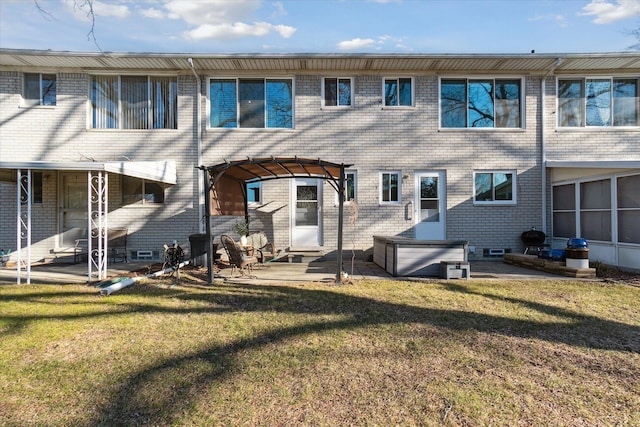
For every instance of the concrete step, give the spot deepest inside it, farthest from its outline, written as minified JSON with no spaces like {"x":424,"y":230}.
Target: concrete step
{"x":305,"y":255}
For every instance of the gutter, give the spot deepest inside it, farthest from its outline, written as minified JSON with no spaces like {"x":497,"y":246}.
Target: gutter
{"x":199,"y":146}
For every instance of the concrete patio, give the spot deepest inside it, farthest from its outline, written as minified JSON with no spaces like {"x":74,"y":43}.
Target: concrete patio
{"x":276,"y":272}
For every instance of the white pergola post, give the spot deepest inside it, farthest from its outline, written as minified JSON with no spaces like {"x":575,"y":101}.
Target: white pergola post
{"x":97,"y":206}
{"x":24,"y":223}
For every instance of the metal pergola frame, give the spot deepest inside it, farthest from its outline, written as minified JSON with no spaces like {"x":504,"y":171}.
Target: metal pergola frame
{"x":263,"y":169}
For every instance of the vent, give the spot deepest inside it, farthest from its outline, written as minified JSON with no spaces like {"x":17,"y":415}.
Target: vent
{"x":495,"y":252}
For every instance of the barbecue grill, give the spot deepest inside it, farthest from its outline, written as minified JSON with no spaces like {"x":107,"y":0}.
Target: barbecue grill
{"x":533,"y":241}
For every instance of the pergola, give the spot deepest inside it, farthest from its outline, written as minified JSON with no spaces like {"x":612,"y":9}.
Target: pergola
{"x":226,"y":191}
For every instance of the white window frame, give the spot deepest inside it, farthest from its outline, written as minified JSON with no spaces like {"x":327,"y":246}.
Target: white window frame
{"x":355,"y":186}
{"x":397,"y":78}
{"x":380,"y":187}
{"x":32,"y":102}
{"x":251,"y":77}
{"x":514,"y":186}
{"x":90,"y":124}
{"x":351,"y":92}
{"x":483,"y":77}
{"x":583,"y":101}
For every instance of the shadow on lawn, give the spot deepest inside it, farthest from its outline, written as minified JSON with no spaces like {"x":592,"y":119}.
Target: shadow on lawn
{"x":136,"y":403}
{"x":129,"y":406}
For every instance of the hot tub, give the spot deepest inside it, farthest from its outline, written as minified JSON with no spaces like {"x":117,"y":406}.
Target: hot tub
{"x":403,"y":256}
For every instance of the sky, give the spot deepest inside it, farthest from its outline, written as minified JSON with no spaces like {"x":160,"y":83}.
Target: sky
{"x":322,"y":26}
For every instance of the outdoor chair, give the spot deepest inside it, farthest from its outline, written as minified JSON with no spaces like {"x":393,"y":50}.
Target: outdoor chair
{"x":263,"y":249}
{"x":237,"y":258}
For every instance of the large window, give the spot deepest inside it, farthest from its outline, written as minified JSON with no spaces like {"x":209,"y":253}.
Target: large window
{"x":390,"y":187}
{"x":251,"y":103}
{"x":480,"y":103}
{"x":629,"y":209}
{"x":598,"y":102}
{"x":39,"y":89}
{"x":141,"y":192}
{"x":134,"y":102}
{"x":398,"y":92}
{"x":495,"y":187}
{"x":337,"y":92}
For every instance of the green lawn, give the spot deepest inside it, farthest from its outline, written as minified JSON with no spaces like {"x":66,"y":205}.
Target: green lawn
{"x":370,"y":353}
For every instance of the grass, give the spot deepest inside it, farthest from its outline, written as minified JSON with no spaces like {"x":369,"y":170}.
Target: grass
{"x":369,"y":353}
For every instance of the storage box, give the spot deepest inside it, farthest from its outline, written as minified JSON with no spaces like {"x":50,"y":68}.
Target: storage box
{"x":454,"y":270}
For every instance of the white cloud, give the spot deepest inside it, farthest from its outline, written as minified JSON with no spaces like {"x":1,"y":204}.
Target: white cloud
{"x":82,"y":11}
{"x":356,"y":43}
{"x":237,"y":30}
{"x":279,"y":9}
{"x":606,"y":11}
{"x":211,"y":12}
{"x":153,"y":13}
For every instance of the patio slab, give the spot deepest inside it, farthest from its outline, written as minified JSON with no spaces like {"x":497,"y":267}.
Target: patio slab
{"x":275,"y":272}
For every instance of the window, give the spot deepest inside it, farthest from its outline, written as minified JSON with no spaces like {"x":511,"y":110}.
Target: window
{"x":480,"y":103}
{"x":36,"y":188}
{"x":134,"y":102}
{"x":251,"y":103}
{"x":390,"y":187}
{"x":350,"y":187}
{"x":254,"y":190}
{"x":140,"y":191}
{"x":497,"y":187}
{"x":336,"y":92}
{"x":39,"y":89}
{"x":398,"y":92}
{"x":600,"y":102}
{"x":564,"y":210}
{"x":629,"y":209}
{"x":595,"y":210}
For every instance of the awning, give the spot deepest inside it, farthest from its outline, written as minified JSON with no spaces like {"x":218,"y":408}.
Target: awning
{"x":594,"y":164}
{"x":159,"y":170}
{"x":227,"y":179}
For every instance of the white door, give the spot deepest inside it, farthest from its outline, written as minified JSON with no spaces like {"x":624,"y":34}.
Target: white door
{"x":307,"y":212}
{"x":430,"y":206}
{"x":73,"y":208}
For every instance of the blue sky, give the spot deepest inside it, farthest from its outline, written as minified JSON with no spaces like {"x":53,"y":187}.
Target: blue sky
{"x":322,"y":26}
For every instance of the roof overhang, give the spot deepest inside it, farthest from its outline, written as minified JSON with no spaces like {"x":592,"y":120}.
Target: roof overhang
{"x":594,"y":164}
{"x":203,"y":63}
{"x":160,"y":170}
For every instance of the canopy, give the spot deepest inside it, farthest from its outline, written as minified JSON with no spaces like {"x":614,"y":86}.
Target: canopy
{"x":226,"y":190}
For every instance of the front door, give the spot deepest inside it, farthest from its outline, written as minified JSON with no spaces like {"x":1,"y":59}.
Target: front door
{"x":429,"y":206}
{"x":73,"y":208}
{"x":307,"y":212}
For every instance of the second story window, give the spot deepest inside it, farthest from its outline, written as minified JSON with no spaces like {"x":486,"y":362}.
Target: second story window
{"x":598,"y":102}
{"x":251,"y":103}
{"x":480,"y":103}
{"x":134,"y":102}
{"x":337,"y":92}
{"x":398,"y":92}
{"x":39,"y":89}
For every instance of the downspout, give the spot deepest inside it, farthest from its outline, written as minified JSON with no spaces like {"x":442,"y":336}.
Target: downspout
{"x":201,"y":195}
{"x":543,"y":142}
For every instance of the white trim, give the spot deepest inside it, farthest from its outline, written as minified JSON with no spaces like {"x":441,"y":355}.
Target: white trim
{"x":595,"y":164}
{"x":392,"y":202}
{"x":160,"y":170}
{"x":351,"y":92}
{"x":514,"y":187}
